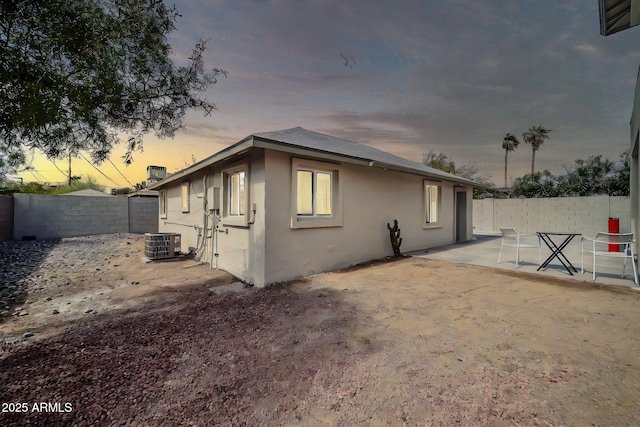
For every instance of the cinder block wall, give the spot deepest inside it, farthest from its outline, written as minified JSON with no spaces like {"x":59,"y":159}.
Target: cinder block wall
{"x":6,"y":218}
{"x":483,"y":213}
{"x":620,"y":207}
{"x":56,"y":216}
{"x":143,"y":214}
{"x":585,"y":215}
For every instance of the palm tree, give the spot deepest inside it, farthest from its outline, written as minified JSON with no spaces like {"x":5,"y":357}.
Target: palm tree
{"x":535,"y":136}
{"x":509,"y":143}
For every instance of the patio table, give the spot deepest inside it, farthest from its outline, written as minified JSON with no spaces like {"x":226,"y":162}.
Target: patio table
{"x":556,"y":249}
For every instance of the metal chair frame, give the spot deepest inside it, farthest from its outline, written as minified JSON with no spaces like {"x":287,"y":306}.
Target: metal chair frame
{"x":512,"y":239}
{"x":596,"y":248}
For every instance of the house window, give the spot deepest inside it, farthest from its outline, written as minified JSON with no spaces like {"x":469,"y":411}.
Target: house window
{"x":162,"y":199}
{"x":432,"y":203}
{"x":236,"y":193}
{"x":316,"y":194}
{"x":184,"y":196}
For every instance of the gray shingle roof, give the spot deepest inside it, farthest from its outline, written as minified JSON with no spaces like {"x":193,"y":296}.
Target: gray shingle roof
{"x":310,"y":141}
{"x":304,"y":138}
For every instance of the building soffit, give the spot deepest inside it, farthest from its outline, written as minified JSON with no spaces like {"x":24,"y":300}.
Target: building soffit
{"x":618,"y":15}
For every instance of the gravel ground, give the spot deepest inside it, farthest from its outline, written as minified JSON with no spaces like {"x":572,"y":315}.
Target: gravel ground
{"x":411,"y":342}
{"x":17,"y":262}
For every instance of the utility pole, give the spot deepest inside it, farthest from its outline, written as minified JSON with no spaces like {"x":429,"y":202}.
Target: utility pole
{"x":70,"y":170}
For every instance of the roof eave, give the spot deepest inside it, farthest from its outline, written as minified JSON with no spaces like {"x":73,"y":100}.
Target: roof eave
{"x":284,"y":147}
{"x":435,"y":177}
{"x":253,"y":141}
{"x":230,"y":151}
{"x":618,"y":15}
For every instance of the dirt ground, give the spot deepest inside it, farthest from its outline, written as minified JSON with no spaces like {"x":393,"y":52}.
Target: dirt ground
{"x":409,"y":342}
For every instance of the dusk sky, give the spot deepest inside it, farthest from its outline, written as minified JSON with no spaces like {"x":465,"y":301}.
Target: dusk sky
{"x":406,"y":77}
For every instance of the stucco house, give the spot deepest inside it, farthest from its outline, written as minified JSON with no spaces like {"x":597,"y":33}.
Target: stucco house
{"x":634,"y":189}
{"x":616,"y":16}
{"x":285,"y":204}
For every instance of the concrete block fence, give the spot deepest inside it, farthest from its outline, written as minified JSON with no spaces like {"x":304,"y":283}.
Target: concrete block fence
{"x":143,"y":214}
{"x":56,"y":216}
{"x":6,"y":218}
{"x":46,"y":216}
{"x":585,"y":215}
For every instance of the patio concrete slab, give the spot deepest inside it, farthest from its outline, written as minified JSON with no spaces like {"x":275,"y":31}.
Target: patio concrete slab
{"x":483,"y":250}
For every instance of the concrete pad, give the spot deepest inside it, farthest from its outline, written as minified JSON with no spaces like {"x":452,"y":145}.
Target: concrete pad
{"x":483,"y":250}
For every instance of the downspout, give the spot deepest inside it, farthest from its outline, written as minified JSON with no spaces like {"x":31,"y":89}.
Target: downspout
{"x":214,"y":234}
{"x":195,"y":226}
{"x":202,"y":246}
{"x":213,"y":249}
{"x":216,"y":229}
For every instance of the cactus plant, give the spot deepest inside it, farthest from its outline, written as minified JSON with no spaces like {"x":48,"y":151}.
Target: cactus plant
{"x":396,"y":240}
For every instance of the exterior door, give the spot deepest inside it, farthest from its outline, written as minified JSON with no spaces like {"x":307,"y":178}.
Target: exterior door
{"x":461,"y":216}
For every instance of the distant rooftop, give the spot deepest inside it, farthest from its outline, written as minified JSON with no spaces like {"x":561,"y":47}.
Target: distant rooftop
{"x":87,"y":192}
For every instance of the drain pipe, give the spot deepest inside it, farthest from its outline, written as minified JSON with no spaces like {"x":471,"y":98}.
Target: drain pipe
{"x":213,"y":252}
{"x":183,"y":225}
{"x":213,"y":236}
{"x":216,"y":253}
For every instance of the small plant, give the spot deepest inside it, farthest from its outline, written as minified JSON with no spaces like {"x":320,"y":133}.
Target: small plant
{"x":396,"y":240}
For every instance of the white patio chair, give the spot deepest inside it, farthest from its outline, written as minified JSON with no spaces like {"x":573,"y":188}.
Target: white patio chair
{"x":599,"y":246}
{"x":512,"y":239}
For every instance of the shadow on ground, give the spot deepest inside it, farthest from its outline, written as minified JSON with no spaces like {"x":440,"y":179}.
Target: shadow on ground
{"x":17,"y":260}
{"x":206,"y":359}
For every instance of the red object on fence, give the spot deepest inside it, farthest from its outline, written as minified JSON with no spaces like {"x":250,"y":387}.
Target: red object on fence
{"x":614,"y":227}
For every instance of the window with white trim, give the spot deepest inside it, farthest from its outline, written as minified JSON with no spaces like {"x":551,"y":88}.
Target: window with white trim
{"x":184,"y":196}
{"x":235,"y":195}
{"x":316,"y":194}
{"x":162,"y":199}
{"x":314,"y":191}
{"x":432,"y":196}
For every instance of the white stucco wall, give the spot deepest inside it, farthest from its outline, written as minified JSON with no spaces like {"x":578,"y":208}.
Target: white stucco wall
{"x":267,"y":249}
{"x":241,"y":248}
{"x":371,"y":198}
{"x":185,"y":223}
{"x":635,"y":171}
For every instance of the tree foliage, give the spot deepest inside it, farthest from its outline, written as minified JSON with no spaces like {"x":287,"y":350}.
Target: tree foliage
{"x":439,"y":161}
{"x":442,"y":162}
{"x":509,"y":144}
{"x":535,"y":136}
{"x":470,"y":171}
{"x":538,"y":184}
{"x":39,"y":188}
{"x":595,"y":175}
{"x":585,"y":178}
{"x":121,"y":191}
{"x":74,"y":73}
